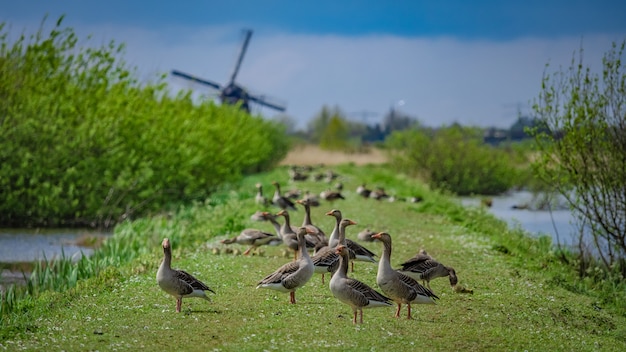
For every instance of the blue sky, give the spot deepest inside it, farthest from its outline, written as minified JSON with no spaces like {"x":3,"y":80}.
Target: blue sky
{"x":474,"y":62}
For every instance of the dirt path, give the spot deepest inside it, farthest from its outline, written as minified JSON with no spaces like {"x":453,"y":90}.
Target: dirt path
{"x":312,"y":155}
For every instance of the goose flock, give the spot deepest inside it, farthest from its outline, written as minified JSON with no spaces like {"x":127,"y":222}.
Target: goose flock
{"x":333,"y":255}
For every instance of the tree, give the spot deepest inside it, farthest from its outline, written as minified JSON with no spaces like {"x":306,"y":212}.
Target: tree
{"x":317,"y":126}
{"x":335,"y":135}
{"x":583,"y":151}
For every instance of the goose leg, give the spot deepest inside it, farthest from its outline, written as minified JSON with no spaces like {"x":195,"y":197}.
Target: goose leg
{"x":361,"y":315}
{"x":179,"y":303}
{"x":322,"y":278}
{"x":354,"y":319}
{"x":398,"y":310}
{"x":409,"y":307}
{"x":247,"y":251}
{"x":292,"y":297}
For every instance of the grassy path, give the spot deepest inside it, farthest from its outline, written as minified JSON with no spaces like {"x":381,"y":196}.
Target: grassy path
{"x":518,"y":300}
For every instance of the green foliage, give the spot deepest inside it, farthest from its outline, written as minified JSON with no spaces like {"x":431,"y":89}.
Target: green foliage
{"x":582,"y":149}
{"x":335,"y":135}
{"x":454,"y":159}
{"x":84,"y":144}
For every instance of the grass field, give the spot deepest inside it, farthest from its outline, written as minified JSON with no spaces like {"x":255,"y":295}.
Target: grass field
{"x":523,"y":298}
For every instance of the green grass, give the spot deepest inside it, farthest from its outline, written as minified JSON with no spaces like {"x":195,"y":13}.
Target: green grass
{"x":523,"y":297}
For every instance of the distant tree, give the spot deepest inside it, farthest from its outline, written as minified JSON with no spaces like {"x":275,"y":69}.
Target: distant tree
{"x":318,"y":124}
{"x":583,"y":151}
{"x":335,"y":135}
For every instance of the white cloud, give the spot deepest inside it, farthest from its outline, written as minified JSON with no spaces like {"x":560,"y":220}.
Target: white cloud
{"x":441,"y":80}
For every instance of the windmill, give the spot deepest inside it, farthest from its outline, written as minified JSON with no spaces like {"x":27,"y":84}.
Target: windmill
{"x":232,"y":93}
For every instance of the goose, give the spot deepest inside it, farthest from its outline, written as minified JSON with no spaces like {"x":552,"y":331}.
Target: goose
{"x":289,"y":235}
{"x":352,"y":292}
{"x":260,"y":199}
{"x":251,"y":237}
{"x":379,"y":193}
{"x":399,"y":287}
{"x":330,"y":175}
{"x":326,"y":259}
{"x":331,"y":195}
{"x":314,"y":230}
{"x":313,"y":200}
{"x":366,"y":235}
{"x":295,"y":175}
{"x":280,"y":201}
{"x":293,"y":194}
{"x":178,"y":283}
{"x":293,"y":275}
{"x":338,"y":237}
{"x":423,"y":267}
{"x":362,"y":191}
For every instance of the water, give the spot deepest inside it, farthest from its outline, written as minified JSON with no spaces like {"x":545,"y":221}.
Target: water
{"x":28,"y":245}
{"x":21,"y":246}
{"x":559,"y":224}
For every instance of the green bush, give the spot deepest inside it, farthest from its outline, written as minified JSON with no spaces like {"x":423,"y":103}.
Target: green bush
{"x":83,"y":143}
{"x":454,"y":159}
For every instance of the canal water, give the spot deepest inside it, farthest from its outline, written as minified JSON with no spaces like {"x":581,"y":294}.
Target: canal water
{"x":19,"y":247}
{"x":518,"y":210}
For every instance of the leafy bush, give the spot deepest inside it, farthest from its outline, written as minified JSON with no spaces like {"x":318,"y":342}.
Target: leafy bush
{"x":454,"y":159}
{"x":83,"y":143}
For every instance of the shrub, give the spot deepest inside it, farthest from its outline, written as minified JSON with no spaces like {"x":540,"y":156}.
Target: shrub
{"x":454,"y":159}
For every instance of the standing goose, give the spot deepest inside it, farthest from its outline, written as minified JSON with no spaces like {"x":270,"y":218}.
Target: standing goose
{"x":178,"y":283}
{"x":251,"y":237}
{"x":320,"y":236}
{"x":260,"y":199}
{"x":423,"y":267}
{"x":281,"y":201}
{"x":338,"y":237}
{"x":399,"y":287}
{"x":326,"y":259}
{"x":353,"y":292}
{"x":292,"y":275}
{"x":289,"y":235}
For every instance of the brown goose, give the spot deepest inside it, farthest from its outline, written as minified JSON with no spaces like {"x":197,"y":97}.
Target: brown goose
{"x":260,"y":199}
{"x":366,"y":235}
{"x":178,"y":283}
{"x":313,"y":200}
{"x":338,"y":237}
{"x":379,"y":193}
{"x":320,"y":236}
{"x":331,"y":195}
{"x":289,"y":235}
{"x":399,"y":287}
{"x":281,"y":201}
{"x":326,"y":259}
{"x":362,"y":191}
{"x":423,"y":267}
{"x":251,"y":237}
{"x":293,"y":275}
{"x":353,"y":292}
{"x":295,"y":175}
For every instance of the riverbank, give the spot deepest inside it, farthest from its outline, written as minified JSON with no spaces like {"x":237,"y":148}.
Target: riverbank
{"x":523,"y":297}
